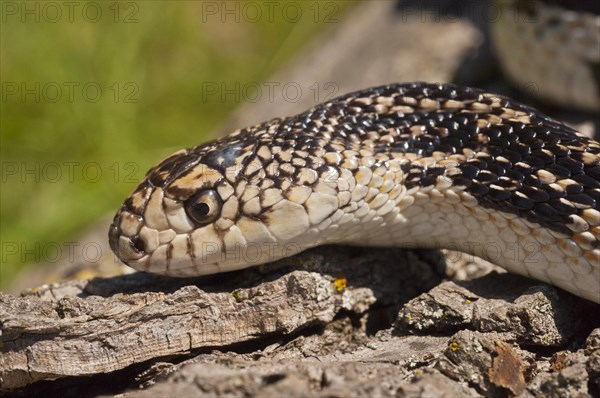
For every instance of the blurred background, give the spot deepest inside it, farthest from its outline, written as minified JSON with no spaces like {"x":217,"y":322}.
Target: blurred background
{"x":95,"y":93}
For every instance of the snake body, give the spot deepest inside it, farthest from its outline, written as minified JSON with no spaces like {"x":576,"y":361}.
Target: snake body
{"x":414,"y":165}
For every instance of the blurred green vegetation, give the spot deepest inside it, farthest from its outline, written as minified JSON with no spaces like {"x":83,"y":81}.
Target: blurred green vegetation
{"x":70,"y":153}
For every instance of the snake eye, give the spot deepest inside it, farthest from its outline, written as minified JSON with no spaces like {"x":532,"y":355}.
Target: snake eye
{"x":203,"y":207}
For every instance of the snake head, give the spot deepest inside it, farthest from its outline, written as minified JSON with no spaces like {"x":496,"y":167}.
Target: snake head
{"x":209,"y":209}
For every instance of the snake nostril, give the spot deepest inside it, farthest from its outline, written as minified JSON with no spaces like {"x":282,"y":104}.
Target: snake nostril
{"x":139,"y":244}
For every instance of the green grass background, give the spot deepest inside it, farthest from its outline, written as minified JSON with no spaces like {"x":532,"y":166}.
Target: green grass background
{"x":156,"y":53}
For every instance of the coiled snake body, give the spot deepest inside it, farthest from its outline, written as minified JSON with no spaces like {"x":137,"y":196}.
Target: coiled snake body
{"x":556,"y":42}
{"x":416,"y":165}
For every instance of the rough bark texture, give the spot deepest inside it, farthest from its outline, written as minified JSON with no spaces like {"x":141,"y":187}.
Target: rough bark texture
{"x":329,"y":322}
{"x":93,"y":327}
{"x":293,"y":328}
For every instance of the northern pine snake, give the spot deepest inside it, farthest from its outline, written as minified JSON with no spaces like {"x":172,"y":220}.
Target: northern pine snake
{"x":418,"y":165}
{"x":550,"y":49}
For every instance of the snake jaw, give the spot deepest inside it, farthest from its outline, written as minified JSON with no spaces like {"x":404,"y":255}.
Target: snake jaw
{"x":123,"y":235}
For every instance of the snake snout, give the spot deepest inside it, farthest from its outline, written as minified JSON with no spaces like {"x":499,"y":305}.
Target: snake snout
{"x":113,"y":237}
{"x":126,"y":246}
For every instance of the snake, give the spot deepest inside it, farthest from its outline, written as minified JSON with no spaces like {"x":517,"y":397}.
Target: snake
{"x":415,"y":165}
{"x":556,"y":42}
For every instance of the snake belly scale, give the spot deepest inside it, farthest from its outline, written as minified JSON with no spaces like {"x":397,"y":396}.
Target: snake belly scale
{"x":415,"y":165}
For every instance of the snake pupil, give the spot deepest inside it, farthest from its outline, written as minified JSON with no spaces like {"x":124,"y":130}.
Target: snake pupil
{"x":202,"y":209}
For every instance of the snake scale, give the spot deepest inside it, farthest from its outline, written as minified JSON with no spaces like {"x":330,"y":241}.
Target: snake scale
{"x":415,"y":165}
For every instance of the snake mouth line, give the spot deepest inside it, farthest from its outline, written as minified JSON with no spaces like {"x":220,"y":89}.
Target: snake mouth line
{"x":127,"y":248}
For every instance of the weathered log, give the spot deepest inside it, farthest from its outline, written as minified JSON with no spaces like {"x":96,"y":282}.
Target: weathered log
{"x":103,"y":325}
{"x":330,"y":321}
